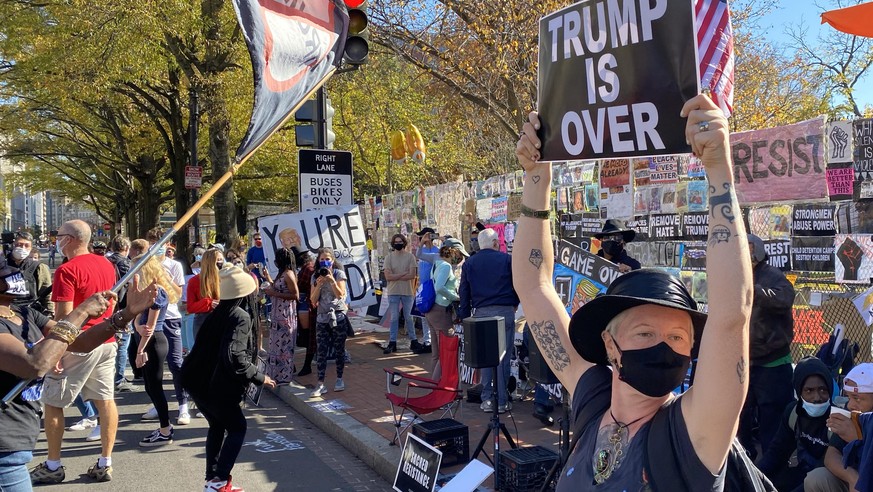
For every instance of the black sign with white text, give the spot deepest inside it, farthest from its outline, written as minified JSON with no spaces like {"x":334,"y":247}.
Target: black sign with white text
{"x":814,"y":220}
{"x":812,"y":254}
{"x":419,"y":465}
{"x":778,"y":253}
{"x":664,"y":226}
{"x":695,"y":225}
{"x":613,"y":77}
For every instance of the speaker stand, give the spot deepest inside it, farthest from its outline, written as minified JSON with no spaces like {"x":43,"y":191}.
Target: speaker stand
{"x":496,"y":426}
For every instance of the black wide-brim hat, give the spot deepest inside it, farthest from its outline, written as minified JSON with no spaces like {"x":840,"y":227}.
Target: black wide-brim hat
{"x":636,"y":288}
{"x":615,"y":226}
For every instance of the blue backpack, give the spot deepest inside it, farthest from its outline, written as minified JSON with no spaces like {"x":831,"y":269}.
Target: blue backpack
{"x":425,"y":295}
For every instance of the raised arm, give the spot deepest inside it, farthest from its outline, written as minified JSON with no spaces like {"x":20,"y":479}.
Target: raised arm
{"x":533,"y":260}
{"x":712,"y":406}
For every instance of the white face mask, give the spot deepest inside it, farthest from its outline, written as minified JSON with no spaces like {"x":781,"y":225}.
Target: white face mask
{"x":20,"y":253}
{"x":58,"y":246}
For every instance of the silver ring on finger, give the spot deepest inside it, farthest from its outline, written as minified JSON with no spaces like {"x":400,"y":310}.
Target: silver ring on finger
{"x":703,"y":126}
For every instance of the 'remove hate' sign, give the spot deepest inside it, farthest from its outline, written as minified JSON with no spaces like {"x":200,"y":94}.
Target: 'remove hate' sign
{"x":613,"y":77}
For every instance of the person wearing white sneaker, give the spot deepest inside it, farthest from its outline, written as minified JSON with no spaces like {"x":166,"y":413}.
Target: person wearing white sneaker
{"x":328,"y":294}
{"x":94,"y":435}
{"x":150,"y":413}
{"x":83,"y":424}
{"x":218,"y":370}
{"x":218,"y":485}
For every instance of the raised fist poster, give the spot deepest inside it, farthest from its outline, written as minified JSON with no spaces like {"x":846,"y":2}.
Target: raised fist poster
{"x":854,"y":258}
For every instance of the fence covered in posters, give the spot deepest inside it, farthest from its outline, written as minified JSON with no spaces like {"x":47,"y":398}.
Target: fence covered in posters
{"x":806,"y":189}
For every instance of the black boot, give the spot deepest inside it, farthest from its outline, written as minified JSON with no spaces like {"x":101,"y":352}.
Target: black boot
{"x":392,"y":347}
{"x":414,"y":346}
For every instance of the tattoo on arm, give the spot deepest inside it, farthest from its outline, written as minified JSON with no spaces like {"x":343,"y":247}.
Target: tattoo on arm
{"x":741,"y":370}
{"x":723,"y":203}
{"x":719,"y":234}
{"x":549,"y":342}
{"x":536,"y":258}
{"x":535,"y":178}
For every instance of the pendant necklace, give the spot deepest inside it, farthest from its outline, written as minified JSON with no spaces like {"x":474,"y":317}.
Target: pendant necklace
{"x":607,"y":461}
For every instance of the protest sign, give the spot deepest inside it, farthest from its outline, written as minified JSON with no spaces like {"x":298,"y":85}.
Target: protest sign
{"x":694,"y":259}
{"x":695,"y":225}
{"x":813,"y":220}
{"x":612,"y":79}
{"x":839,"y":142}
{"x":580,"y":275}
{"x":841,"y":182}
{"x":664,"y":169}
{"x":812,"y":254}
{"x":778,"y":253}
{"x":854,"y":258}
{"x":665,"y":226}
{"x":418,"y":467}
{"x":863,"y":138}
{"x":783,"y":163}
{"x":640,"y":225}
{"x":339,"y":228}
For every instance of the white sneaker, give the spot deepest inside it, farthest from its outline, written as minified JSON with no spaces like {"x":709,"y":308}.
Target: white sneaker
{"x":184,"y":419}
{"x":94,"y":435}
{"x":83,"y":424}
{"x":339,"y":386}
{"x":320,"y":389}
{"x":151,"y":414}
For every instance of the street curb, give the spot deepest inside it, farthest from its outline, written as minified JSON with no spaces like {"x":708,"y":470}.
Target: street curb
{"x":372,"y":448}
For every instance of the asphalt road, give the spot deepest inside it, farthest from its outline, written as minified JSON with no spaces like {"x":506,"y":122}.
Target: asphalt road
{"x":283,"y":451}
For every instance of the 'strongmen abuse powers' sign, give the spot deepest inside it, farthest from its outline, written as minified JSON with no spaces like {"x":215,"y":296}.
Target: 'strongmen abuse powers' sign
{"x":613,"y":77}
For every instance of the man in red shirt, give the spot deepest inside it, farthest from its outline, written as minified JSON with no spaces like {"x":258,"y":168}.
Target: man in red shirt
{"x":91,"y":374}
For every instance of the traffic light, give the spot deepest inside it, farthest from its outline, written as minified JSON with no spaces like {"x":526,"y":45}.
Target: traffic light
{"x":304,"y":135}
{"x":357,"y":45}
{"x":329,"y":135}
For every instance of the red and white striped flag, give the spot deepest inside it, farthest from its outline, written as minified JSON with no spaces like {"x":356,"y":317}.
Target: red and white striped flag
{"x":715,"y":50}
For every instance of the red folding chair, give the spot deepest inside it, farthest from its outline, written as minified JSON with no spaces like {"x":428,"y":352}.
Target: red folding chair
{"x":442,"y":395}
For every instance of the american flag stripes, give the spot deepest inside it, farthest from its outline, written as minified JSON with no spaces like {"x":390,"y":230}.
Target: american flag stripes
{"x":715,"y":48}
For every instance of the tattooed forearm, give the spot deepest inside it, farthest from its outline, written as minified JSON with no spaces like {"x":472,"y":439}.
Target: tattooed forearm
{"x":535,"y":178}
{"x":536,"y":258}
{"x":547,"y":339}
{"x":742,"y":370}
{"x":722,"y":203}
{"x":719,"y":234}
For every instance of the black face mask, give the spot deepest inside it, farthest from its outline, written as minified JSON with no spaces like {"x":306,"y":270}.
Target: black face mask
{"x":219,"y":265}
{"x":612,"y":248}
{"x":399,"y":247}
{"x":653,"y":371}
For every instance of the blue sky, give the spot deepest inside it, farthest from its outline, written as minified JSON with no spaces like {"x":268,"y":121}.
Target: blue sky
{"x":791,"y":13}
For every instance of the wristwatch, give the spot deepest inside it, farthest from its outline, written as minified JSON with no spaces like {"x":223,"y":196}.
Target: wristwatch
{"x":116,"y":321}
{"x":65,"y":330}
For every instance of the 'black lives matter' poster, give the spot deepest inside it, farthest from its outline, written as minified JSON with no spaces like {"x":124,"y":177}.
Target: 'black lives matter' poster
{"x":613,"y":78}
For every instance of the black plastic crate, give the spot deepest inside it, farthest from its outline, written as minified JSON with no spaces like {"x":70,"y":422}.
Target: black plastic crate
{"x":449,"y":436}
{"x":525,"y":469}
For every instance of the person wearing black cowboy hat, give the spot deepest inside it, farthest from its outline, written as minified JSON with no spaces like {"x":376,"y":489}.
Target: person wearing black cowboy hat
{"x":613,"y":237}
{"x":647,"y":327}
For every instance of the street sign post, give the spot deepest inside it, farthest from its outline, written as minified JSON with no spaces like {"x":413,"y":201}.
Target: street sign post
{"x":325,"y":179}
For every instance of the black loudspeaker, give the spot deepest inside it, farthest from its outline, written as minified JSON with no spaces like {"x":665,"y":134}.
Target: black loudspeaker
{"x":538,"y":370}
{"x":484,"y":341}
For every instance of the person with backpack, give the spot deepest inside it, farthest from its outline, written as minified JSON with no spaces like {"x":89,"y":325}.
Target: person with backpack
{"x":802,"y":429}
{"x":441,"y":317}
{"x":647,"y":327}
{"x":120,"y":248}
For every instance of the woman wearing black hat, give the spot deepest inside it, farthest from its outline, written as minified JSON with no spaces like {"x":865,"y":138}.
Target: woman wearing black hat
{"x":646,"y":327}
{"x":612,"y":238}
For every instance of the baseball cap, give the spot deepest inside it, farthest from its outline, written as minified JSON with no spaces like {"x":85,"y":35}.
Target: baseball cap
{"x":458,"y":245}
{"x":859,"y":379}
{"x":426,"y":230}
